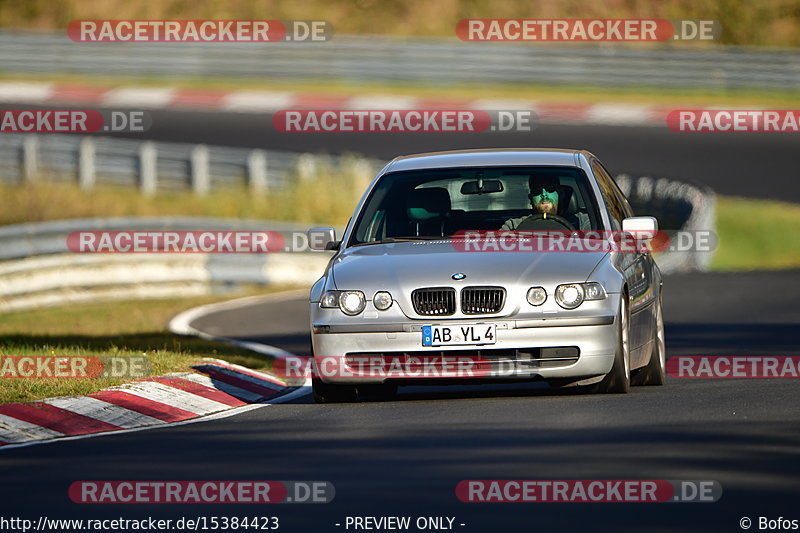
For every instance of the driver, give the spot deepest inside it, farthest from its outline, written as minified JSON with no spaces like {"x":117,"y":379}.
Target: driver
{"x":544,"y":199}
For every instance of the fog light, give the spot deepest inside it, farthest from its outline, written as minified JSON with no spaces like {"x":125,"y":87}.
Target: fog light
{"x":537,"y":295}
{"x":382,"y":300}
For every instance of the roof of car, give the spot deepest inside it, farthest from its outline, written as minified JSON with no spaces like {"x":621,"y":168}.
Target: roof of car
{"x":487,"y":157}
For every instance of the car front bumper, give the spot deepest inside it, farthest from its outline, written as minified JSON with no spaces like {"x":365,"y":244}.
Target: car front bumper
{"x":375,"y":353}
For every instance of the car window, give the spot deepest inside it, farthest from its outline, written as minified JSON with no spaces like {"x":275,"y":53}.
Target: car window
{"x":613,"y":199}
{"x":443,"y":202}
{"x":626,"y":206}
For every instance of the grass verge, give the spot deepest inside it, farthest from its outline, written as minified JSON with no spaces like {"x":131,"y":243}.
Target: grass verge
{"x":329,"y":197}
{"x":766,"y":22}
{"x":120,"y":329}
{"x":756,"y":235}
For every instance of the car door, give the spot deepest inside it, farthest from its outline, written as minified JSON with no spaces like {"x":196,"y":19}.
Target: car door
{"x":637,"y":267}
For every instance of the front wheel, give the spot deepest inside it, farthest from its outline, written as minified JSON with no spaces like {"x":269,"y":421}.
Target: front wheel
{"x":655,"y":373}
{"x":618,"y":381}
{"x":328,"y":393}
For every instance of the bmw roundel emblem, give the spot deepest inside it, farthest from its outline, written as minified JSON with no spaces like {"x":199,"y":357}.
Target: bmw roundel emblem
{"x":458,"y":276}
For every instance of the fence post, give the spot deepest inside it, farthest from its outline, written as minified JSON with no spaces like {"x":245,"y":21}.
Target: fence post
{"x":257,"y":172}
{"x":147,"y":167}
{"x":30,"y":158}
{"x":201,"y":182}
{"x":306,"y":167}
{"x":86,"y":167}
{"x":362,"y":173}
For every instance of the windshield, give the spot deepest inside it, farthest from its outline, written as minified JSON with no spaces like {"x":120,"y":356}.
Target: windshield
{"x":437,"y":203}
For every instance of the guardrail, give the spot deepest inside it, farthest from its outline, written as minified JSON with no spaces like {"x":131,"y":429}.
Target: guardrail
{"x":429,"y":61}
{"x":153,"y":166}
{"x":37,"y":269}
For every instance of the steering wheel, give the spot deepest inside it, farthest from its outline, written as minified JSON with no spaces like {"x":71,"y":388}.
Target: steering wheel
{"x":537,"y":219}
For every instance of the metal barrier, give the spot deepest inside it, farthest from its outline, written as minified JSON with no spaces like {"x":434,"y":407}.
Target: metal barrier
{"x":38,"y":270}
{"x":152,"y":166}
{"x":441,"y":62}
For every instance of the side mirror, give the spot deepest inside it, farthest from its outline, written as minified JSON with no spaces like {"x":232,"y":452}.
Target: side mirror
{"x":643,"y":228}
{"x":321,"y":239}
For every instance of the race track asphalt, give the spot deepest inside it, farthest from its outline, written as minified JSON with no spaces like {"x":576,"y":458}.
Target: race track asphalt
{"x":405,"y":457}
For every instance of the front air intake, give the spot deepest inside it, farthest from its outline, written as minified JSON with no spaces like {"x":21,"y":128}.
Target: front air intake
{"x":482,"y":300}
{"x":439,"y":301}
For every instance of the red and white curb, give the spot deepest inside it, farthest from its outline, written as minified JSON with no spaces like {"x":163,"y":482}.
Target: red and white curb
{"x":143,"y":404}
{"x":551,"y":112}
{"x":218,"y":390}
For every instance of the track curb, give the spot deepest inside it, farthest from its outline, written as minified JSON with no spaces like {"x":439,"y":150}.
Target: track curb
{"x":216,"y":389}
{"x":264,"y":101}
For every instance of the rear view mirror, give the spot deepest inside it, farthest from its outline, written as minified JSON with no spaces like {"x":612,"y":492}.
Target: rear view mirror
{"x":481,"y":186}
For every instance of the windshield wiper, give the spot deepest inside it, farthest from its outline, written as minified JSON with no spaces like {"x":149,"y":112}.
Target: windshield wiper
{"x":391,"y":240}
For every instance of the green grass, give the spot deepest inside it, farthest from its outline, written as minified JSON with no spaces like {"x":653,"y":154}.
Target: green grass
{"x":120,"y":329}
{"x":328,"y":198}
{"x":765,"y":22}
{"x":756,"y":235}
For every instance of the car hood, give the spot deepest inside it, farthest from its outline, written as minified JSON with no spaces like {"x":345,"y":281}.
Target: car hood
{"x":403,"y":267}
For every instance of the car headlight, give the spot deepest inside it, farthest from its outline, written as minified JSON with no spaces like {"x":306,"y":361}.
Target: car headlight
{"x":329,"y":299}
{"x":352,"y":302}
{"x":382,"y":300}
{"x":536,"y":295}
{"x":571,"y":295}
{"x":593,"y":291}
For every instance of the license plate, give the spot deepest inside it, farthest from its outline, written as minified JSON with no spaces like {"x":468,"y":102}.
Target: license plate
{"x":465,"y":334}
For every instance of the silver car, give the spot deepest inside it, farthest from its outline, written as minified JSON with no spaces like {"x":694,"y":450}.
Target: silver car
{"x":454,"y":269}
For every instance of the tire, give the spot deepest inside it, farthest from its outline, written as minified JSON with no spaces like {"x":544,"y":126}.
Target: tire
{"x":328,"y":393}
{"x":382,"y":391}
{"x":655,"y":373}
{"x":618,"y":380}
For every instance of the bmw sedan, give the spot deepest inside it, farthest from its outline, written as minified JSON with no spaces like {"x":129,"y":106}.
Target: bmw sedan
{"x":486,"y":265}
